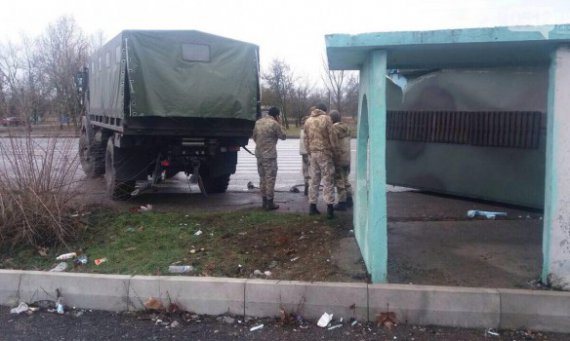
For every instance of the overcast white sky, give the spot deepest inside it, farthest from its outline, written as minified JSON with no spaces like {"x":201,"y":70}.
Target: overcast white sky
{"x":292,"y":30}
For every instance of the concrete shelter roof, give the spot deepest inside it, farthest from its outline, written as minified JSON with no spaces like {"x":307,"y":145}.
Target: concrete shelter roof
{"x":474,"y":47}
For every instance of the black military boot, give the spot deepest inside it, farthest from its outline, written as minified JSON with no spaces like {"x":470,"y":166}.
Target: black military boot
{"x":264,"y":202}
{"x":270,"y":205}
{"x":349,"y":202}
{"x":306,"y":188}
{"x":330,"y":211}
{"x":341,"y":206}
{"x":313,"y":209}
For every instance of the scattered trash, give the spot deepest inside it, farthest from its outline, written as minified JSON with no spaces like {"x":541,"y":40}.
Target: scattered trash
{"x":485,"y":214}
{"x":340,"y":320}
{"x":174,"y":324}
{"x":66,"y":256}
{"x":254,"y":328}
{"x":59,"y":306}
{"x":60,"y":267}
{"x":199,"y":232}
{"x":294,"y":189}
{"x":146,"y":208}
{"x":153,"y":303}
{"x":491,"y":332}
{"x":99,"y":261}
{"x":294,"y":259}
{"x":81,"y":260}
{"x":42,"y":251}
{"x":229,"y":320}
{"x":353,"y":323}
{"x":267,"y":273}
{"x":22,"y":307}
{"x":178,"y":269}
{"x":387,"y":319}
{"x":257,"y":273}
{"x":250,"y":185}
{"x":335,"y":327}
{"x":325,"y":320}
{"x":193,"y":251}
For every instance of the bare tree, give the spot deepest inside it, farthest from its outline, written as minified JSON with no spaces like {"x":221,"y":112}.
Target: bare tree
{"x":300,"y":102}
{"x":342,"y":87}
{"x":62,"y":52}
{"x":280,"y":80}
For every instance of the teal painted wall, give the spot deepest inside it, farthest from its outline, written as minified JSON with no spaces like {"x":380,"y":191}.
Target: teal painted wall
{"x":370,"y":217}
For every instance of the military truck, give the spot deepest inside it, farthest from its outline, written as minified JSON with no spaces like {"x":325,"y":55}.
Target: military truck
{"x":162,"y":102}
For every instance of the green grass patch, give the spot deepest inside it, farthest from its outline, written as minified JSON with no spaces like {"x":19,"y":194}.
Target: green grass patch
{"x":231,"y":244}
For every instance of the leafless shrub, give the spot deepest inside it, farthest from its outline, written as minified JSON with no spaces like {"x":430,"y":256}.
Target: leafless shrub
{"x":39,"y":188}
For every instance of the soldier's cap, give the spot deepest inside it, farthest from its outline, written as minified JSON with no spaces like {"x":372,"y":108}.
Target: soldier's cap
{"x":322,"y":106}
{"x":335,"y":116}
{"x":274,"y":111}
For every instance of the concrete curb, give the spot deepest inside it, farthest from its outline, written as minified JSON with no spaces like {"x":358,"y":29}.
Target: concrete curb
{"x":427,"y":305}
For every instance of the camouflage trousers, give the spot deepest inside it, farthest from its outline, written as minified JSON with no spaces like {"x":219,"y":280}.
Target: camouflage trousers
{"x":306,"y":164}
{"x":321,"y":167}
{"x":267,"y":169}
{"x":343,"y":187}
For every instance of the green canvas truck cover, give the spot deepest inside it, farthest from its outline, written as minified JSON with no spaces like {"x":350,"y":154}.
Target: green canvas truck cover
{"x":175,"y":74}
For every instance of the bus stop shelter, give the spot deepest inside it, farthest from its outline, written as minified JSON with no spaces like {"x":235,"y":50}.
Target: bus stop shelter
{"x":373,"y":54}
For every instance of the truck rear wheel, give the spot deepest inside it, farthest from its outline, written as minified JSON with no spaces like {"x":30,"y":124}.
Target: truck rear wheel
{"x":117,"y":188}
{"x":218,"y":184}
{"x":91,"y":156}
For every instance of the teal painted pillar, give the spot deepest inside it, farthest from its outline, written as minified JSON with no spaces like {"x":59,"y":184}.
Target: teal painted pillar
{"x":370,"y":217}
{"x":556,"y":231}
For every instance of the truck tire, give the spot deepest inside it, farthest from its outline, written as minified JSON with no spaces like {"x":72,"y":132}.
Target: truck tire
{"x":216,"y":185}
{"x":117,"y":188}
{"x":91,"y":156}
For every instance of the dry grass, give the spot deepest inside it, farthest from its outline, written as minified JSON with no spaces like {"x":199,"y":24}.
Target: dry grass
{"x":39,"y":185}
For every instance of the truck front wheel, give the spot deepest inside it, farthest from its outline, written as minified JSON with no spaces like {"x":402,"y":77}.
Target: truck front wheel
{"x":91,"y":156}
{"x":117,"y":187}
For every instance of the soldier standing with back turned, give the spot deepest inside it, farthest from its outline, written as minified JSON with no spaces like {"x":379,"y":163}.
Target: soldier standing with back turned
{"x":319,"y":143}
{"x":265,"y":134}
{"x":341,"y":159}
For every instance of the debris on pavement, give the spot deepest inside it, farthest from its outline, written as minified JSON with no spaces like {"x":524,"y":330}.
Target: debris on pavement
{"x":250,"y":185}
{"x":267,"y":273}
{"x":60,"y":267}
{"x":22,"y":307}
{"x":485,"y":214}
{"x":254,"y":328}
{"x":59,"y":306}
{"x":99,"y":261}
{"x":492,"y":332}
{"x":387,"y":319}
{"x":174,"y":324}
{"x":153,"y":303}
{"x":66,"y":256}
{"x":178,"y":269}
{"x":257,"y":272}
{"x":199,"y":232}
{"x":325,"y":320}
{"x":294,"y":259}
{"x":335,"y":327}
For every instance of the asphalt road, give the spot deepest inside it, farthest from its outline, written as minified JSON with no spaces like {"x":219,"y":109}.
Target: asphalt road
{"x":97,"y":325}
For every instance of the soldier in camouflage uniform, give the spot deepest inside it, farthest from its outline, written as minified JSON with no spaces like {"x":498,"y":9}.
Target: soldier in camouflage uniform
{"x":318,"y":141}
{"x":304,"y":155}
{"x":265,"y":134}
{"x":341,"y":159}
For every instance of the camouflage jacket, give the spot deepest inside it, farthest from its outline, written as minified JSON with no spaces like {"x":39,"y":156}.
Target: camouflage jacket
{"x":341,"y":152}
{"x":265,"y":134}
{"x":318,"y":135}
